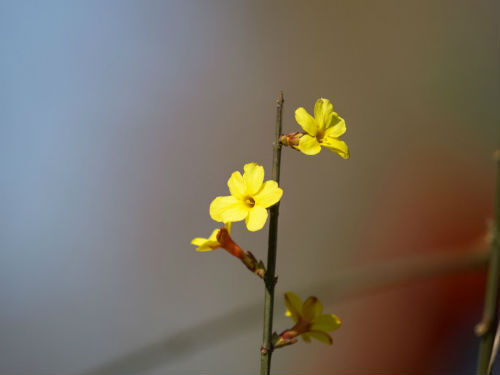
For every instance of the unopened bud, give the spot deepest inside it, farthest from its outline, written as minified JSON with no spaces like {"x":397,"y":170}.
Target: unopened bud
{"x":287,"y":337}
{"x":291,"y":139}
{"x":252,"y":264}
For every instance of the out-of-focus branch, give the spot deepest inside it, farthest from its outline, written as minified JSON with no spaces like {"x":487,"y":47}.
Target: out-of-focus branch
{"x":488,"y":325}
{"x":344,"y":284}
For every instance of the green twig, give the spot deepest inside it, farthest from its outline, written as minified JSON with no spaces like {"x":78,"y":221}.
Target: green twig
{"x":270,"y":278}
{"x":488,"y":325}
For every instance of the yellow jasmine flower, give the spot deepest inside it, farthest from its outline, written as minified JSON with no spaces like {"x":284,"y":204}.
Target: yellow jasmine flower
{"x":250,"y":197}
{"x":210,"y":243}
{"x":221,"y":238}
{"x":324,"y":129}
{"x":310,"y":322}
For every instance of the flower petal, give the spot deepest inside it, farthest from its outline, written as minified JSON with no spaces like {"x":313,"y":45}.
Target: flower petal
{"x":321,"y":336}
{"x":306,"y":121}
{"x":269,"y":194}
{"x":256,"y":218}
{"x":236,"y":185}
{"x":323,"y":112}
{"x":198,"y":241}
{"x":208,"y":246}
{"x":253,"y":176}
{"x":227,"y":208}
{"x":293,"y":305}
{"x":228,"y":226}
{"x":326,"y":323}
{"x":213,"y":236}
{"x":309,"y":145}
{"x":337,"y":146}
{"x":205,"y":244}
{"x":312,"y":308}
{"x":337,"y":128}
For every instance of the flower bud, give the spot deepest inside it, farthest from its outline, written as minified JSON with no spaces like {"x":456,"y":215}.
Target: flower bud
{"x":291,"y":139}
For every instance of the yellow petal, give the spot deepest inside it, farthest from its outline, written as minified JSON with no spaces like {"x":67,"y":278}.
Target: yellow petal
{"x":253,"y":176}
{"x":208,"y":246}
{"x":228,"y":208}
{"x":205,"y":244}
{"x":236,"y":185}
{"x":336,"y":129}
{"x":312,"y":308}
{"x":269,"y":194}
{"x":213,"y":236}
{"x":198,"y":241}
{"x":306,"y":121}
{"x":326,"y":323}
{"x":337,"y":146}
{"x":293,"y":305}
{"x":256,"y":218}
{"x":309,"y":145}
{"x":323,"y":112}
{"x":321,"y":336}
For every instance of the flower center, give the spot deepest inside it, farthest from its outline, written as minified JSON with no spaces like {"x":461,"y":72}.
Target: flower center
{"x":250,"y":202}
{"x":319,"y":135}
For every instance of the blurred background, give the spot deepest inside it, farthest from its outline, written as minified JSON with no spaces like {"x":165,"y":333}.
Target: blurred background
{"x":120,"y":121}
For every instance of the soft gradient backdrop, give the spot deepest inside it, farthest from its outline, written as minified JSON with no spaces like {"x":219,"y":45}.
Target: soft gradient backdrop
{"x":121,"y":120}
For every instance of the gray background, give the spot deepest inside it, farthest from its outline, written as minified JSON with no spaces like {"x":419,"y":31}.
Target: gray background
{"x":120,"y":121}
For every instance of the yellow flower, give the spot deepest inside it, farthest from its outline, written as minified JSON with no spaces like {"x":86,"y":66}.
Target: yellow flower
{"x":321,"y":130}
{"x":210,"y":243}
{"x":310,"y":322}
{"x":250,"y":197}
{"x":221,"y":238}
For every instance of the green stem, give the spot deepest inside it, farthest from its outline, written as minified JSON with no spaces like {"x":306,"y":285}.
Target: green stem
{"x":270,"y":278}
{"x":486,"y":329}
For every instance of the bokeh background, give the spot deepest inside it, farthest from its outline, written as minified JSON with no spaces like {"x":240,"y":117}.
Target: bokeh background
{"x":121,"y":120}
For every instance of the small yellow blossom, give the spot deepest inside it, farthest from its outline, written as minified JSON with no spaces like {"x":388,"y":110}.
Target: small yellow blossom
{"x":310,"y":322}
{"x":210,"y":243}
{"x":324,"y":129}
{"x":250,"y":197}
{"x":221,"y":238}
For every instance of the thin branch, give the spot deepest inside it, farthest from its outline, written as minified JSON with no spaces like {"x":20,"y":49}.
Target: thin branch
{"x":270,"y":279}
